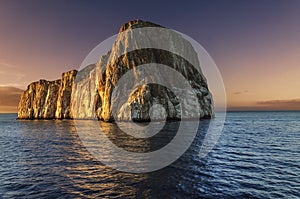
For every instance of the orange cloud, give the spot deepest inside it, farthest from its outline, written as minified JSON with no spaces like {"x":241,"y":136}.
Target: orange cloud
{"x":292,"y":104}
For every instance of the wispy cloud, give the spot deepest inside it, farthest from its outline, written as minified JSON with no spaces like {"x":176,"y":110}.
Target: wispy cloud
{"x":280,"y":102}
{"x":240,"y":92}
{"x":291,"y":104}
{"x":6,"y":65}
{"x":11,"y":75}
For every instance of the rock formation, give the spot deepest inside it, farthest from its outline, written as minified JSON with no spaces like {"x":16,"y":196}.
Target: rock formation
{"x":47,"y":99}
{"x":90,"y":92}
{"x":63,"y":105}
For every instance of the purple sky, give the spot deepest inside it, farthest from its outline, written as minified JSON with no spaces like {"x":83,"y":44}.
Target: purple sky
{"x":255,"y":44}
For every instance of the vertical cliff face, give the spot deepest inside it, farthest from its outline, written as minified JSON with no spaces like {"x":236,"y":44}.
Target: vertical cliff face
{"x":39,"y":100}
{"x":47,"y":99}
{"x":85,"y":97}
{"x":63,"y":109}
{"x":144,"y":97}
{"x":86,"y":100}
{"x":91,"y":92}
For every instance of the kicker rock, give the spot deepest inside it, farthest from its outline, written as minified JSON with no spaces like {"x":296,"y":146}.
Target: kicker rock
{"x":143,"y":97}
{"x":92,"y":92}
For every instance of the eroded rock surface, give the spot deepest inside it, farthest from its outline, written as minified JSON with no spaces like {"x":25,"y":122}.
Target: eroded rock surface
{"x":129,"y":52}
{"x":47,"y":99}
{"x":90,"y":94}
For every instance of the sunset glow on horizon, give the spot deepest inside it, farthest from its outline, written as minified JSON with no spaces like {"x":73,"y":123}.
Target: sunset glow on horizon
{"x":255,"y":45}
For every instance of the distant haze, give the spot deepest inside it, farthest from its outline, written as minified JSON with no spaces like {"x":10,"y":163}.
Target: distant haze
{"x":9,"y":99}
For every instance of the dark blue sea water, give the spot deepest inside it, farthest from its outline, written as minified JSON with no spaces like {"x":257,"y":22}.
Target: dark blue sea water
{"x":257,"y":156}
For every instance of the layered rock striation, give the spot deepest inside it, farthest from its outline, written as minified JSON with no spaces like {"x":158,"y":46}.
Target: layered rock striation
{"x":92,"y":92}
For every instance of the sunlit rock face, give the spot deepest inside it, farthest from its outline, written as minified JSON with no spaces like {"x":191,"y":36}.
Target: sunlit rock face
{"x":86,"y":100}
{"x":39,"y":100}
{"x":63,"y":108}
{"x":84,"y":94}
{"x":144,"y":97}
{"x":48,"y":99}
{"x":91,"y":93}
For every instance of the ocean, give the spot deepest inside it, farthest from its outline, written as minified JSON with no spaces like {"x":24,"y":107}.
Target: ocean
{"x":256,"y":156}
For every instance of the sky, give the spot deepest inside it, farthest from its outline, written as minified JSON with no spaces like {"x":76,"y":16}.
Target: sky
{"x":255,"y":44}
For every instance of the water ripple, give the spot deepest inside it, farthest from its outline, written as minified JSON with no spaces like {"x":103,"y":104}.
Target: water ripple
{"x":257,"y":156}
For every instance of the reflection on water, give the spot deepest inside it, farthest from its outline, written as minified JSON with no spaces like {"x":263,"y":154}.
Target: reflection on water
{"x":46,"y":159}
{"x":139,"y":145}
{"x":114,"y":148}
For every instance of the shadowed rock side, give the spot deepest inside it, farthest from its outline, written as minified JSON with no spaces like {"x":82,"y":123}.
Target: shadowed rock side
{"x":88,"y":94}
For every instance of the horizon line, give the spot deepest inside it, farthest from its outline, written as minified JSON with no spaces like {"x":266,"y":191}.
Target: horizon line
{"x":246,"y":110}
